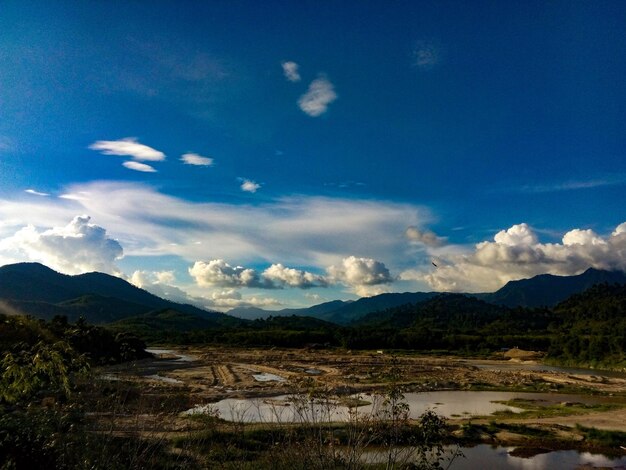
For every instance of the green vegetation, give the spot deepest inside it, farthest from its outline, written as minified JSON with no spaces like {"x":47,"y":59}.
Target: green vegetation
{"x":588,"y":329}
{"x":45,"y":397}
{"x":534,"y":409}
{"x":592,"y":328}
{"x":600,"y":437}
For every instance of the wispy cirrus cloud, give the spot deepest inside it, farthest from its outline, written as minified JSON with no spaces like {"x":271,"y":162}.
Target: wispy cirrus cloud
{"x":36,"y":193}
{"x":195,"y":159}
{"x":131,"y":165}
{"x":295,"y":231}
{"x":290,"y":69}
{"x":608,"y":180}
{"x":320,"y":94}
{"x":129,"y":147}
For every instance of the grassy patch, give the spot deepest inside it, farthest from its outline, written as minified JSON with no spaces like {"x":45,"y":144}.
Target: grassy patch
{"x":534,"y":409}
{"x":601,"y":437}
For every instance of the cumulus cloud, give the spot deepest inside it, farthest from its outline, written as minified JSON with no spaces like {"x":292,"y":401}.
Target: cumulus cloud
{"x":426,"y":55}
{"x":424,"y":237}
{"x":128,"y":146}
{"x":320,"y":94}
{"x":582,"y":237}
{"x":520,"y":234}
{"x":517,"y":253}
{"x":36,"y":193}
{"x":219,"y":273}
{"x":361,"y":274}
{"x":621,"y":228}
{"x":281,"y":275}
{"x":195,"y":159}
{"x":290,"y":69}
{"x":77,"y":247}
{"x":139,"y":167}
{"x":142,"y":278}
{"x":249,"y":186}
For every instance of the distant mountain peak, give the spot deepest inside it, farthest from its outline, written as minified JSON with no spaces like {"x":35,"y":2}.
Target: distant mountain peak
{"x":545,"y":290}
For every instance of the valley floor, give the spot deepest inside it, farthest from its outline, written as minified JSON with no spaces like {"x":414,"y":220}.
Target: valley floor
{"x":209,"y":374}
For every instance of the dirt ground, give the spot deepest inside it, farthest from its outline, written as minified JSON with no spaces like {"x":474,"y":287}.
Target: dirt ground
{"x":209,"y":374}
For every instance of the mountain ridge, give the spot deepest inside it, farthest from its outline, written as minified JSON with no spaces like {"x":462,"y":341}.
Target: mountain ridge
{"x":42,"y":292}
{"x":541,"y":290}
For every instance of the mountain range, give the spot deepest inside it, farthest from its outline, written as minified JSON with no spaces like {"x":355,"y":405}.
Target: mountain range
{"x":37,"y":290}
{"x":544,"y":290}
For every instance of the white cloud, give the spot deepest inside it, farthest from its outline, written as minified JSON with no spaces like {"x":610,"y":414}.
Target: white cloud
{"x":582,"y":237}
{"x":361,"y":274}
{"x":165,"y":277}
{"x":77,"y":196}
{"x":146,"y":278}
{"x":36,"y":193}
{"x":139,"y":167}
{"x":604,"y":180}
{"x":249,"y":186}
{"x":520,"y":234}
{"x":230,"y":298}
{"x":317,"y":98}
{"x":290,"y":69}
{"x":128,"y":146}
{"x":621,"y":228}
{"x":426,"y":55}
{"x":225,"y":304}
{"x":424,"y":237}
{"x":218,"y":272}
{"x":517,"y":253}
{"x":297,"y":231}
{"x":195,"y":159}
{"x":75,"y":248}
{"x":281,"y":275}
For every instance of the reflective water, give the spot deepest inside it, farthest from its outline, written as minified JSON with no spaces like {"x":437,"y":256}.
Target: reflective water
{"x":449,"y":404}
{"x":267,"y":377}
{"x":487,"y":457}
{"x":170,"y":352}
{"x":161,"y":378}
{"x":484,"y":456}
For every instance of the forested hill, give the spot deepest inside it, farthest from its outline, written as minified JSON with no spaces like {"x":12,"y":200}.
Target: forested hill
{"x":455,"y":311}
{"x":35,"y":289}
{"x":592,"y":327}
{"x":546,"y":290}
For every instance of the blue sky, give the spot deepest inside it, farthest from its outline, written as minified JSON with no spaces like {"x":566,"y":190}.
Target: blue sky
{"x":286,"y":153}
